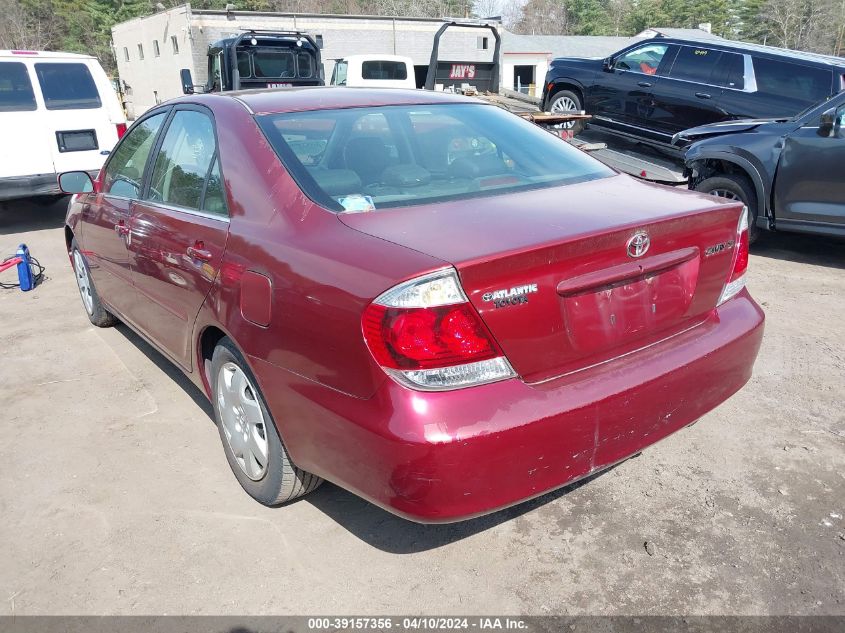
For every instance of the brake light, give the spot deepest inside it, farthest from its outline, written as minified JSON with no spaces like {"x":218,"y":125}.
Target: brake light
{"x":121,"y":130}
{"x":736,"y":279}
{"x":426,"y":335}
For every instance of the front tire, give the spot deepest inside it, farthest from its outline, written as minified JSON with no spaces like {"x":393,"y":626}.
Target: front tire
{"x":567,"y":101}
{"x":97,"y":313}
{"x":739,"y":188}
{"x":253,"y":448}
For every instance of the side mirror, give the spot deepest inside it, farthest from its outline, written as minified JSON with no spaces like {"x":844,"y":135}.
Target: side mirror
{"x":187,"y":81}
{"x":607,"y":64}
{"x":76,"y":182}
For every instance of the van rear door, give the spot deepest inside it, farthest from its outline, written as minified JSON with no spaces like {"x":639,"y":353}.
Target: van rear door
{"x":79,"y":121}
{"x":21,"y":125}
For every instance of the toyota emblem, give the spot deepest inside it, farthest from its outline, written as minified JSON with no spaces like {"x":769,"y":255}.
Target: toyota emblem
{"x":638,"y":244}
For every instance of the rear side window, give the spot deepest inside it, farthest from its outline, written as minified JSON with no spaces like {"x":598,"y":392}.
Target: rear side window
{"x":696,"y":64}
{"x":184,"y":161}
{"x":15,"y":88}
{"x":792,"y":81}
{"x":67,"y":86}
{"x":732,"y":74}
{"x":125,"y":170}
{"x":383,"y":69}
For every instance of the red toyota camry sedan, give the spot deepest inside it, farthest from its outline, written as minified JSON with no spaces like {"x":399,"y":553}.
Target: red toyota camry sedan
{"x":419,"y":297}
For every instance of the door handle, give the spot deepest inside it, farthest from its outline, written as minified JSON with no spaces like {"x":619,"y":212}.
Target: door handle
{"x":197,"y":251}
{"x":121,"y":229}
{"x":644,"y":84}
{"x":702,"y":95}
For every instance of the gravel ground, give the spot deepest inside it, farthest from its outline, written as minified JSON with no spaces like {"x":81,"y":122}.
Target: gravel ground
{"x":116,"y":498}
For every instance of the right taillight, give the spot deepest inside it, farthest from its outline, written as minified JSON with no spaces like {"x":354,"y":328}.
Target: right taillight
{"x":736,"y":279}
{"x":426,"y":335}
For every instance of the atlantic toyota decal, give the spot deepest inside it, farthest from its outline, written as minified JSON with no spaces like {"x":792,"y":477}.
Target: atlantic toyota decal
{"x":462,"y":71}
{"x":510,"y":296}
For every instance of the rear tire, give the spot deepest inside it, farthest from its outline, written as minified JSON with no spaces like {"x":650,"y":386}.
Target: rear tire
{"x":97,"y":313}
{"x":735,"y":187}
{"x":253,"y":448}
{"x":567,"y":101}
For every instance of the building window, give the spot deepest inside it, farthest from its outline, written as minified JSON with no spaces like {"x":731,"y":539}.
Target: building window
{"x":174,"y":42}
{"x":125,"y":54}
{"x":140,"y":51}
{"x":156,"y":51}
{"x":483,"y":43}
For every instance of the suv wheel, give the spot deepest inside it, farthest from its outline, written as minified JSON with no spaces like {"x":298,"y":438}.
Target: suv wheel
{"x":567,"y":101}
{"x":735,"y":187}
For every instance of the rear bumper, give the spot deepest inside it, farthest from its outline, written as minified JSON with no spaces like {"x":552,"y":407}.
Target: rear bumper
{"x":439,"y":457}
{"x":27,"y":186}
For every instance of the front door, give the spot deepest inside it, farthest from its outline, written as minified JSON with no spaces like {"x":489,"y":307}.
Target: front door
{"x":179,"y":232}
{"x":689,"y":95}
{"x":624,"y":94}
{"x":809,"y":187}
{"x":106,"y":215}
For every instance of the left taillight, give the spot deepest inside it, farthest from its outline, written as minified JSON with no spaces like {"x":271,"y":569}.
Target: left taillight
{"x":121,"y":130}
{"x":736,"y":279}
{"x":426,"y":335}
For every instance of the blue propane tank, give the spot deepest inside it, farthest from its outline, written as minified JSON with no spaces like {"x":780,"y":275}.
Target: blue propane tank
{"x":24,"y":269}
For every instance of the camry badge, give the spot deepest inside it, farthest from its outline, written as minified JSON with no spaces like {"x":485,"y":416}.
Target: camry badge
{"x":638,"y":244}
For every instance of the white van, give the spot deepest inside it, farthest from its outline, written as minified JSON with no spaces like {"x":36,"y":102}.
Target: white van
{"x":58,"y":112}
{"x":374,"y":71}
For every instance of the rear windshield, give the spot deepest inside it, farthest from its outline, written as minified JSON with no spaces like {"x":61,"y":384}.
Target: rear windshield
{"x":275,"y":63}
{"x":360,"y":159}
{"x":383,"y":69}
{"x":15,"y":88}
{"x":806,"y":84}
{"x":67,"y":86}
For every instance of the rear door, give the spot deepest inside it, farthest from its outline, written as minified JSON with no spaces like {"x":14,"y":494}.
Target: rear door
{"x":625,"y":94}
{"x":106,"y":214}
{"x":21,"y":123}
{"x":77,"y":122}
{"x":809,"y":188}
{"x":179,"y":231}
{"x":689,"y":96}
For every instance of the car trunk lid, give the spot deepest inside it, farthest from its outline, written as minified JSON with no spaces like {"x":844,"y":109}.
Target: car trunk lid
{"x":555,"y":273}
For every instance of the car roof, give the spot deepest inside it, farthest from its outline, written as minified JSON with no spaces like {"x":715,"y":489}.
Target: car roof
{"x":745,"y":47}
{"x":27,"y":54}
{"x":363,"y":57}
{"x":300,"y":99}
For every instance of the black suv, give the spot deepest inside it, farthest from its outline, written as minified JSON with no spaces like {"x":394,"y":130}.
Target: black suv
{"x":658,"y":87}
{"x":788,"y":172}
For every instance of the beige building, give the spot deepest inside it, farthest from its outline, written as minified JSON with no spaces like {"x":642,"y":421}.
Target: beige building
{"x":151,"y":50}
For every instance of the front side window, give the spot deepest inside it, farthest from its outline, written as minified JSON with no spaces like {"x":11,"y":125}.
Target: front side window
{"x":15,"y":88}
{"x":124,"y":172}
{"x":67,"y":86}
{"x":645,"y":59}
{"x":383,"y":69}
{"x":304,"y":66}
{"x":339,"y":73}
{"x":397,"y":156}
{"x":797,"y":82}
{"x":184,"y":160}
{"x":696,"y":64}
